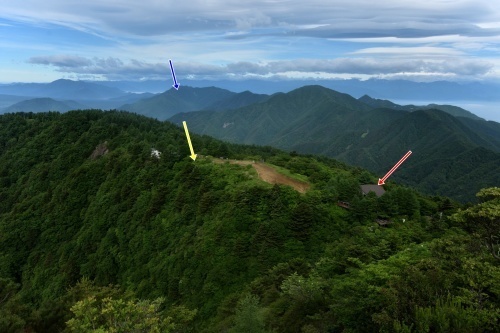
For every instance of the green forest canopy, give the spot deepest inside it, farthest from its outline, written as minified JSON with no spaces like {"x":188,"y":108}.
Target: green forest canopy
{"x":205,"y":247}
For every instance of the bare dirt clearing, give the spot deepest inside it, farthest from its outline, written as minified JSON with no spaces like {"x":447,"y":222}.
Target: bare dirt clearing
{"x":270,"y":175}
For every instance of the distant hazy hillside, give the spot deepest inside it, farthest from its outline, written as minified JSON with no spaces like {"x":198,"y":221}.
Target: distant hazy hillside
{"x":453,"y":110}
{"x":151,"y":86}
{"x":318,"y":120}
{"x":44,"y":104}
{"x":81,"y":93}
{"x":8,"y":100}
{"x":186,"y":99}
{"x":62,"y":89}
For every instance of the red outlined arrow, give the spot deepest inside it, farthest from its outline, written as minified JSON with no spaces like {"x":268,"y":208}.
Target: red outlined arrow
{"x":381,"y":181}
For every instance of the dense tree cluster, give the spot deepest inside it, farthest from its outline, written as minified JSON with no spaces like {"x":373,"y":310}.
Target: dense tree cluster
{"x":128,"y":242}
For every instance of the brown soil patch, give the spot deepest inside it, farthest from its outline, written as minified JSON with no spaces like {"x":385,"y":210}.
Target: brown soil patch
{"x":270,"y":175}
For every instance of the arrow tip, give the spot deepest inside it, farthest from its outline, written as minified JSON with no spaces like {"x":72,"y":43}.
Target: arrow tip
{"x":176,"y":86}
{"x":194,"y":157}
{"x":380,"y":182}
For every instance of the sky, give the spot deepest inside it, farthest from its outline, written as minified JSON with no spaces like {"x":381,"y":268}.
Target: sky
{"x":456,"y":40}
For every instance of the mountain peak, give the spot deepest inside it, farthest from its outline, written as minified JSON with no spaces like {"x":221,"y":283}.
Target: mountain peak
{"x":69,"y":83}
{"x":454,"y":111}
{"x":313,"y":88}
{"x":172,"y":101}
{"x":198,"y":89}
{"x":63,"y":81}
{"x":313,"y":92}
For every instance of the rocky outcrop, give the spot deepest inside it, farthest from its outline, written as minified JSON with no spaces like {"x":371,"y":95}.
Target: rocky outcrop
{"x":101,"y":150}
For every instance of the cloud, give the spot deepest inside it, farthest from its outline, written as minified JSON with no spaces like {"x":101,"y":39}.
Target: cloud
{"x":406,"y":51}
{"x":114,"y":68}
{"x":389,"y":27}
{"x":111,"y":68}
{"x":62,"y":61}
{"x":336,"y":18}
{"x":255,"y":20}
{"x":231,"y":38}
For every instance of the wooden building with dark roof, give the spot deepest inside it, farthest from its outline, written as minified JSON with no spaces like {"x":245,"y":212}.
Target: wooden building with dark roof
{"x":378,"y":190}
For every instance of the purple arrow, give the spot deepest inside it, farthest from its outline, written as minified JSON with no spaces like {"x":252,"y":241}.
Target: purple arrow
{"x":176,"y":84}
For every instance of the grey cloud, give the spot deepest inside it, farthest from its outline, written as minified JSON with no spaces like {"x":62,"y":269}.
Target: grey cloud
{"x":355,"y":18}
{"x":372,"y":66}
{"x":108,"y":62}
{"x":108,"y":67}
{"x":371,"y":29}
{"x":113,"y":68}
{"x":66,"y":61}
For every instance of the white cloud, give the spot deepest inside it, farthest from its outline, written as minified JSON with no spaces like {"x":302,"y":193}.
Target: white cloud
{"x":405,"y":51}
{"x":489,"y":25}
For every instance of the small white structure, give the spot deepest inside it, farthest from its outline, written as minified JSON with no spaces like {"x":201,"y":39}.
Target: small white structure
{"x":155,"y":153}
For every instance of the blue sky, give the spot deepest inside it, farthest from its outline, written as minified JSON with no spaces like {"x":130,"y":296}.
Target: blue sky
{"x":42,"y":41}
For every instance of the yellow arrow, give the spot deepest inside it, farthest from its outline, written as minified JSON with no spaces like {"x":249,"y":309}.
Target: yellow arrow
{"x":193,"y":155}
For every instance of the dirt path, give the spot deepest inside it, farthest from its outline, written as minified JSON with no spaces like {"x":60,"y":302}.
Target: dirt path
{"x":270,"y":175}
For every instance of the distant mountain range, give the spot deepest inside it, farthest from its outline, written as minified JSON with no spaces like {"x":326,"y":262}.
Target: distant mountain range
{"x":385,"y":89}
{"x":65,"y":95}
{"x":455,"y":151}
{"x":44,"y":104}
{"x":453,"y":155}
{"x":8,"y":100}
{"x":482,"y":97}
{"x":62,"y":89}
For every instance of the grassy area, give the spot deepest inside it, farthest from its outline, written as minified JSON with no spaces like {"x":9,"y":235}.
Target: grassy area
{"x":287,"y":173}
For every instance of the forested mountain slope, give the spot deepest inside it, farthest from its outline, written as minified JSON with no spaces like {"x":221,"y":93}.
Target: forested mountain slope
{"x":448,"y":158}
{"x":317,"y":120}
{"x":283,"y":119}
{"x":451,"y":109}
{"x":84,"y":204}
{"x":488,"y":130}
{"x":165,"y":105}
